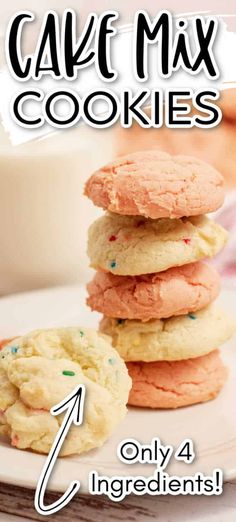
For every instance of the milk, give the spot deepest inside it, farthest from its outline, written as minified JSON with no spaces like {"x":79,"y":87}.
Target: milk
{"x":43,"y":214}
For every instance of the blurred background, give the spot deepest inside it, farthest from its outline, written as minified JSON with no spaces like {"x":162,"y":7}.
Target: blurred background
{"x":43,"y":214}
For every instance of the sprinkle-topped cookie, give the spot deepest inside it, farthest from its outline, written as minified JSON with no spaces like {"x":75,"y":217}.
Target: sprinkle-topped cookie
{"x":154,"y":246}
{"x":170,"y":339}
{"x":42,"y":368}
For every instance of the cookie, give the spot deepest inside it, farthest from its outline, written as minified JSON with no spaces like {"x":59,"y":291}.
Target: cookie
{"x":173,"y":339}
{"x":176,"y":291}
{"x":40,"y":369}
{"x":156,"y":185}
{"x":175,"y":384}
{"x":127,"y":245}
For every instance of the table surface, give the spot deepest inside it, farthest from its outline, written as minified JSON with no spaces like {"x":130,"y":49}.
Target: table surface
{"x":17,"y":505}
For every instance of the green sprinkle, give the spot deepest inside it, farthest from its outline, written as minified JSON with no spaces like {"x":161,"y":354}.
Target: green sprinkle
{"x":112,"y":361}
{"x":81,"y":333}
{"x":191,"y":316}
{"x":113,"y":264}
{"x":14,"y":349}
{"x":68,"y":373}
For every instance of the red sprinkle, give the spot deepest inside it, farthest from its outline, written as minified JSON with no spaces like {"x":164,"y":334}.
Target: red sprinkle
{"x":112,"y":238}
{"x":187,"y":241}
{"x":15,"y":440}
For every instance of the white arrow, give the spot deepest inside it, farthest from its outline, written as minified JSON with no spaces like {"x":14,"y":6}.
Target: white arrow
{"x":74,"y":404}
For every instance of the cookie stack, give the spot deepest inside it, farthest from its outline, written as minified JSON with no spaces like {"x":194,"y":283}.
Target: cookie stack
{"x":151,"y":284}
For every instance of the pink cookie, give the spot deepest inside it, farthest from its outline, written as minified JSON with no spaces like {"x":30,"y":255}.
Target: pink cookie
{"x":176,"y":291}
{"x":156,"y":185}
{"x":175,"y":384}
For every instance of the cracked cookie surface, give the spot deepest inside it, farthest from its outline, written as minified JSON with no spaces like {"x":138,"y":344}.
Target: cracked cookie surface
{"x":176,"y":291}
{"x":176,"y":338}
{"x":125,"y":245}
{"x":155,"y":184}
{"x":39,"y":369}
{"x":175,"y":384}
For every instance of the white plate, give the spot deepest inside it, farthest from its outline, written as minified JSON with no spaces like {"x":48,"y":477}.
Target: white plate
{"x":212,"y":425}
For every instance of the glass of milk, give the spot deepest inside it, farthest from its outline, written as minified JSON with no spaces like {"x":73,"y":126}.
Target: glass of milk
{"x":44,"y":216}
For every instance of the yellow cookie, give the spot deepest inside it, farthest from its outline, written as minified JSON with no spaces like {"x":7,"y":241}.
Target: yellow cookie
{"x":127,"y":245}
{"x":40,"y":369}
{"x":177,"y":338}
